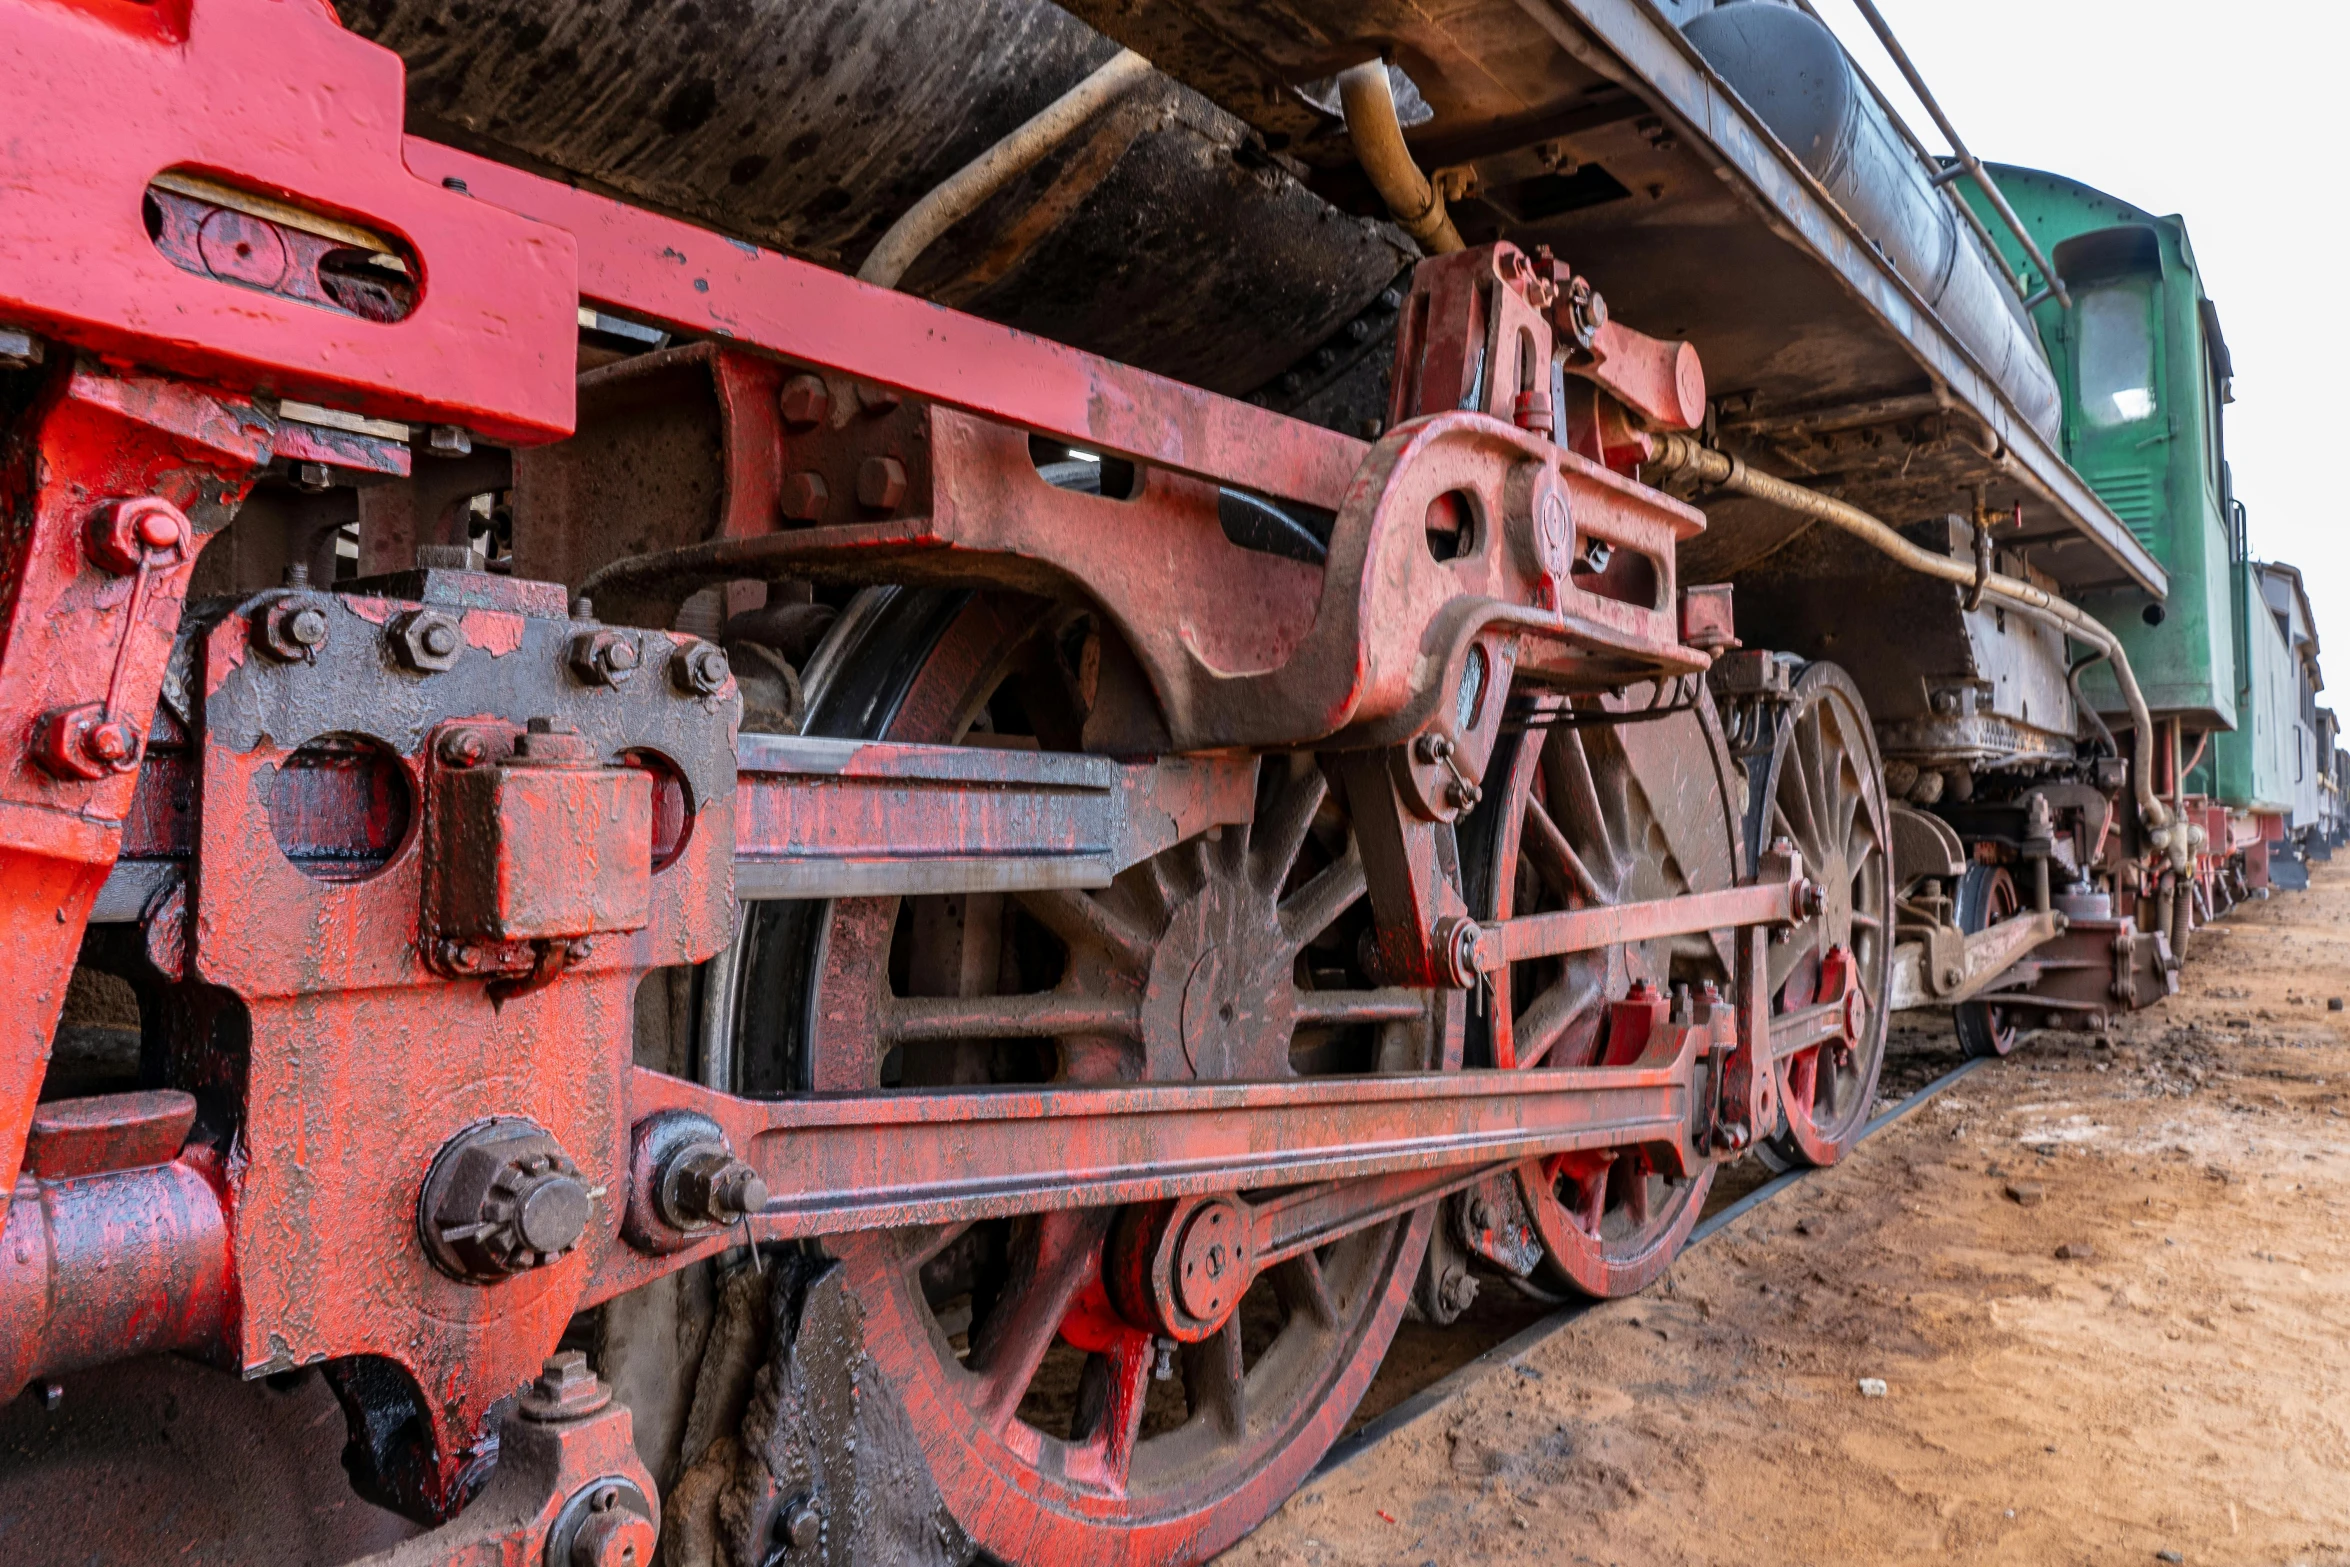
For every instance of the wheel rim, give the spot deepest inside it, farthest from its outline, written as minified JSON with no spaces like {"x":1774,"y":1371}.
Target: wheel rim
{"x":1585,"y":815}
{"x":1986,"y":895}
{"x":1824,"y":791}
{"x":1044,"y":1429}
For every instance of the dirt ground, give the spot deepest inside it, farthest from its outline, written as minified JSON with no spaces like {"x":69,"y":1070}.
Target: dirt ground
{"x":2105,"y":1286}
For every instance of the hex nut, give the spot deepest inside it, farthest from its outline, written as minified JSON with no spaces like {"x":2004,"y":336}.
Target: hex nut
{"x":566,"y":1389}
{"x":123,"y":535}
{"x":703,"y":1184}
{"x":805,"y":400}
{"x":84,"y":743}
{"x":604,"y":658}
{"x":701,"y":670}
{"x":804,"y":497}
{"x":292,"y":629}
{"x":427,"y":640}
{"x":881,"y":484}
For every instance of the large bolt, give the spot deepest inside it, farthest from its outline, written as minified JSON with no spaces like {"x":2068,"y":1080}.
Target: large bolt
{"x":704,"y":1184}
{"x":881,"y":484}
{"x":84,"y":743}
{"x":612,"y":1535}
{"x":292,"y":629}
{"x":502,"y":1198}
{"x":798,"y":1525}
{"x":805,"y":401}
{"x":449,"y":440}
{"x":804,"y":497}
{"x":125,"y":535}
{"x":427,"y":640}
{"x":604,"y":658}
{"x":605,"y":1523}
{"x":701,"y":671}
{"x":464,"y":748}
{"x":1460,"y":1288}
{"x":564,"y":1390}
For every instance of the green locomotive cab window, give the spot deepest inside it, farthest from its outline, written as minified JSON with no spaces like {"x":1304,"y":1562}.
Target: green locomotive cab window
{"x":2116,"y":329}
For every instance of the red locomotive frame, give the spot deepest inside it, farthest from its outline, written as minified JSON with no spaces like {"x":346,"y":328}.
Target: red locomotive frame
{"x":439,"y":1059}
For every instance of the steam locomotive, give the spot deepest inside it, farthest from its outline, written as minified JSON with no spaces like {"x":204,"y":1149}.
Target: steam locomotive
{"x":803,"y":781}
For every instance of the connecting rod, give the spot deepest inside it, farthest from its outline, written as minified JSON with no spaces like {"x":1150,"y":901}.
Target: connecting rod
{"x":1682,"y":456}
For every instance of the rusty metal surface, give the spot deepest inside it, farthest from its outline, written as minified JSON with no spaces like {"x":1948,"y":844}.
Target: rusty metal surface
{"x":84,"y":638}
{"x":408,"y":848}
{"x":382,"y":1047}
{"x":818,"y":818}
{"x":492,"y":337}
{"x":673,"y":273}
{"x":808,"y":127}
{"x":1990,"y":955}
{"x":1592,"y":126}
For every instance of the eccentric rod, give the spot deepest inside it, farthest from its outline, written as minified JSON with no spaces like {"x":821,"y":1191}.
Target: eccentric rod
{"x":1680,"y":455}
{"x":960,"y":193}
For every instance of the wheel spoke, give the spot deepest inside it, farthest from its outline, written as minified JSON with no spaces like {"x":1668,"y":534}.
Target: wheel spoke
{"x":1307,"y":912}
{"x":1053,"y":1013}
{"x":1333,"y":1007}
{"x":1085,"y":921}
{"x":1819,"y":769}
{"x":1010,"y":1344}
{"x":1215,"y":1382}
{"x":1635,"y":1191}
{"x":1280,"y":830}
{"x":918,"y":1248}
{"x":1848,"y":803}
{"x":1110,"y":1401}
{"x":1547,"y":1018}
{"x":1304,"y":1291}
{"x":1806,"y":832}
{"x":1568,"y":764}
{"x":1554,"y":858}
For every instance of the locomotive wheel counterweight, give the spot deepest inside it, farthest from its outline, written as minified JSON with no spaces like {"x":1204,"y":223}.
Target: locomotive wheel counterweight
{"x":1232,"y":957}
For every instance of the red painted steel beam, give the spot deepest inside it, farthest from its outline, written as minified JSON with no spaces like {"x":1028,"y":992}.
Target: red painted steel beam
{"x":1618,"y":924}
{"x":276,"y":99}
{"x":691,"y":280}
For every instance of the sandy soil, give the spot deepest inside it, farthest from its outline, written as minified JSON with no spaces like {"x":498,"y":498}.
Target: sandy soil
{"x":2106,"y":1286}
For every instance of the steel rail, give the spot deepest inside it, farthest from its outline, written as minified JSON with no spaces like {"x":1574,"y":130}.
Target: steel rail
{"x":1445,"y":1390}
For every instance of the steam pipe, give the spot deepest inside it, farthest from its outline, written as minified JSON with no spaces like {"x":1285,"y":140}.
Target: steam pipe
{"x":958,"y":195}
{"x":1680,"y":455}
{"x":1377,"y":132}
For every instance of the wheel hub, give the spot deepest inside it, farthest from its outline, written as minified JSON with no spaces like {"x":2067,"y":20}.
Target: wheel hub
{"x":1220,"y":1001}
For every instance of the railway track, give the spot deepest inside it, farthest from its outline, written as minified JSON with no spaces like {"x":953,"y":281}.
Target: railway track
{"x":1413,"y":1395}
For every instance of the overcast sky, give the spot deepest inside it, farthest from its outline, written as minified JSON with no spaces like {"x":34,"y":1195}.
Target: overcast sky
{"x":2230,"y":116}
